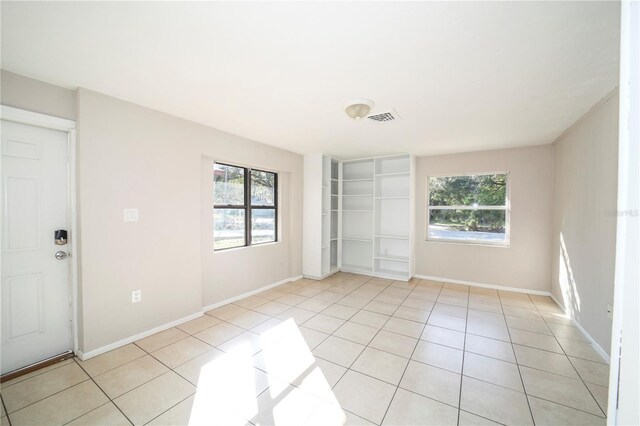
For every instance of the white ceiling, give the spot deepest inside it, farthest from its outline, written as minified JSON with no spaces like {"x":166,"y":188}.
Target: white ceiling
{"x":463,"y":76}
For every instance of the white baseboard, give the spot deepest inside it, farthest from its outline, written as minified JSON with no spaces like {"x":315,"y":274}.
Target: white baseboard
{"x":595,"y":344}
{"x":374,"y":274}
{"x":322,"y":277}
{"x":474,"y":284}
{"x":85,"y":356}
{"x":249,"y":293}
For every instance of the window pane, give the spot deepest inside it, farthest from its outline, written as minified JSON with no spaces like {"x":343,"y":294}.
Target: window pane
{"x":228,"y":185}
{"x":262,"y":188}
{"x":228,"y":228}
{"x":263,"y":225}
{"x":468,"y":225}
{"x":481,"y":190}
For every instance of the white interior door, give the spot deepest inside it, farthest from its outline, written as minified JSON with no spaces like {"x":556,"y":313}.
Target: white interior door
{"x":36,"y":291}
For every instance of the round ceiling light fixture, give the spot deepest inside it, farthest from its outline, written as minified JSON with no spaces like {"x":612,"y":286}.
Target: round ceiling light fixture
{"x":358,"y":108}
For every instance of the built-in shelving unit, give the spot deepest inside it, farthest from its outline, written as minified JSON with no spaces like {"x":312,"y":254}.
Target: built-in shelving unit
{"x":320,"y":243}
{"x":357,"y":215}
{"x":393,"y":234}
{"x":366,"y":216}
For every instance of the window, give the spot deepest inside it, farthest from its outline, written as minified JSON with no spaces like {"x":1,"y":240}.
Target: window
{"x":245,"y":208}
{"x":470,"y":208}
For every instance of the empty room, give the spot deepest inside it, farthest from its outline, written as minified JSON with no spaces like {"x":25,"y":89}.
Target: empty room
{"x":319,"y":213}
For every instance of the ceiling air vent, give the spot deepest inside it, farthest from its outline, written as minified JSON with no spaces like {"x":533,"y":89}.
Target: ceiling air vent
{"x":384,"y":116}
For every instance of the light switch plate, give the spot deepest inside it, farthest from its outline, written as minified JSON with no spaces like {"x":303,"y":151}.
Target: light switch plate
{"x":131,"y":215}
{"x":136,"y":296}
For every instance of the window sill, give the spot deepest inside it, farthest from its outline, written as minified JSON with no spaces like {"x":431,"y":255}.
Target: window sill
{"x":234,"y":249}
{"x":468,"y":243}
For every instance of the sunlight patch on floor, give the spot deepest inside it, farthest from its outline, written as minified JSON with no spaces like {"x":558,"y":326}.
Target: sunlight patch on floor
{"x":231,"y":388}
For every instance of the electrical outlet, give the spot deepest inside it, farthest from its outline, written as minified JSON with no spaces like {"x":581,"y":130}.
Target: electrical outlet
{"x":609,"y":311}
{"x":136,"y":296}
{"x":131,"y":215}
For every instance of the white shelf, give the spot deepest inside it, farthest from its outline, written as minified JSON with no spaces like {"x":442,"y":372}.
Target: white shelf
{"x":393,"y":258}
{"x":358,"y":180}
{"x":358,"y":195}
{"x":361,"y":268}
{"x":361,"y":240}
{"x":392,"y":174}
{"x":357,"y":211}
{"x":392,"y":273}
{"x":359,"y":169}
{"x":392,"y":237}
{"x":357,"y":203}
{"x":393,"y":164}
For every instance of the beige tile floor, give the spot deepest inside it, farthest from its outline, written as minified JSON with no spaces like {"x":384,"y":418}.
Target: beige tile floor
{"x":349,"y":349}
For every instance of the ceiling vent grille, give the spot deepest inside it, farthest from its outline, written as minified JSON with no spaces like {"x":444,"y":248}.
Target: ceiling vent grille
{"x":383,"y":116}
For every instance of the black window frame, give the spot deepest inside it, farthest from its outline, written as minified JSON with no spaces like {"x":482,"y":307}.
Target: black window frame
{"x":248,"y":207}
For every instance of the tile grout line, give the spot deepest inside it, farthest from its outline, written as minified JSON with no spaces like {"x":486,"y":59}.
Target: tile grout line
{"x":524,"y":389}
{"x":464,"y":346}
{"x":40,"y":373}
{"x":105,"y":394}
{"x":411,"y":356}
{"x":170,"y":408}
{"x":572,"y":365}
{"x":4,"y":406}
{"x":47,"y":397}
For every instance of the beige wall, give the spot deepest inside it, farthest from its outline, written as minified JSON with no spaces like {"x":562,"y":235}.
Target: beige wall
{"x":134,"y":157}
{"x":33,"y":95}
{"x":584,"y":228}
{"x":525,"y":264}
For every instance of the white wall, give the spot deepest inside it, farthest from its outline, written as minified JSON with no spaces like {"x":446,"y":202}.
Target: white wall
{"x":627,"y":291}
{"x":584,"y":222}
{"x":134,"y":157}
{"x":525,"y":264}
{"x":33,"y":95}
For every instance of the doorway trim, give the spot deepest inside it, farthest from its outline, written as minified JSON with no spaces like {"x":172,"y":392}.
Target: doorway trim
{"x":22,"y":116}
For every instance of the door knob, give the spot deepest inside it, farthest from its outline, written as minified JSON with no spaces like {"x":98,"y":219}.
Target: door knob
{"x":61,"y":255}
